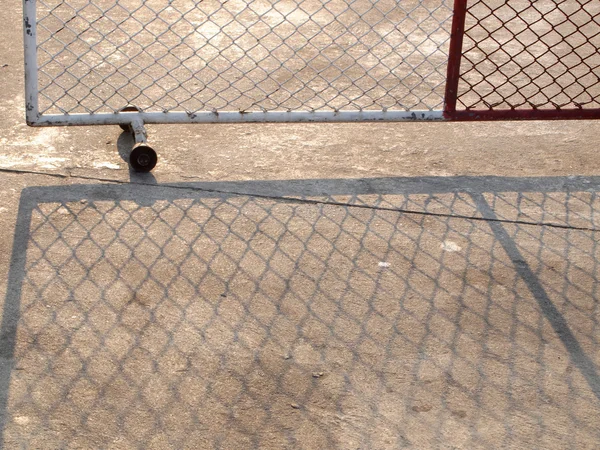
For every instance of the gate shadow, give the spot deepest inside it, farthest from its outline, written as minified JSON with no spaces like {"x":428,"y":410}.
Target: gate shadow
{"x":375,"y":313}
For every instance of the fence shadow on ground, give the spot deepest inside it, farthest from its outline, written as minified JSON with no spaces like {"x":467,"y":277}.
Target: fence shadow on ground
{"x":366,"y":313}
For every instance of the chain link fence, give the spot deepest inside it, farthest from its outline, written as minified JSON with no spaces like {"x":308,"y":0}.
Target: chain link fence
{"x":187,"y":61}
{"x":260,"y":55}
{"x":530,"y":55}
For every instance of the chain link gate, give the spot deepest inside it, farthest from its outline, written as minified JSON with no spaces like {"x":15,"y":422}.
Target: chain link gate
{"x":524,"y":59}
{"x":131,"y":62}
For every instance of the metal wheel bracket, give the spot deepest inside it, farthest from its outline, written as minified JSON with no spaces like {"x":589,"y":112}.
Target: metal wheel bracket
{"x":142,"y":158}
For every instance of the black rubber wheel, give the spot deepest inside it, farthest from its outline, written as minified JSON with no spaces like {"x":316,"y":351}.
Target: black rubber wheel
{"x":143,"y":158}
{"x":126,"y":126}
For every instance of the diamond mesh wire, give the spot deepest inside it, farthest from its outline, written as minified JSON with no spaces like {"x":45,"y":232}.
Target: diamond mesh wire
{"x":522,"y":54}
{"x":258,"y":55}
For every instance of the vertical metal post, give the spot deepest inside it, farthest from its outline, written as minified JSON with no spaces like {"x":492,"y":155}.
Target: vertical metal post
{"x":31,"y":69}
{"x":454,"y":57}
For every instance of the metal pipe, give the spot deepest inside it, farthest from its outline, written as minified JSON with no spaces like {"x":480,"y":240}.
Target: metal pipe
{"x":233,"y":117}
{"x":31,"y":68}
{"x":455,"y":56}
{"x":139,"y":132}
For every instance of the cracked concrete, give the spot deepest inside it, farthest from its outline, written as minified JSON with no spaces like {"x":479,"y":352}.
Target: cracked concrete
{"x":440,"y":279}
{"x":221,"y":190}
{"x":196,"y":315}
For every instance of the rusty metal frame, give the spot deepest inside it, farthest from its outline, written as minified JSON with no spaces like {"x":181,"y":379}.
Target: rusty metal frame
{"x":454,"y":75}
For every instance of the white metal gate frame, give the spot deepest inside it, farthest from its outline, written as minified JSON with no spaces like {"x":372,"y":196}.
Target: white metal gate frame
{"x":489,"y":74}
{"x":35,"y":118}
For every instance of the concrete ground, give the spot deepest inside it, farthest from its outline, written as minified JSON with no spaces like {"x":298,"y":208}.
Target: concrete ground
{"x":351,"y":286}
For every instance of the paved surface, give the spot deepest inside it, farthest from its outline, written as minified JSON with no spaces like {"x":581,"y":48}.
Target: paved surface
{"x":401,"y":285}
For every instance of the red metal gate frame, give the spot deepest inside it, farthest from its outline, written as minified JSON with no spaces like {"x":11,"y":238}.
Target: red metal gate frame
{"x":453,"y":78}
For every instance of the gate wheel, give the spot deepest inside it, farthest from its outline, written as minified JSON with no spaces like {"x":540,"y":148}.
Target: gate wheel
{"x":143,"y":158}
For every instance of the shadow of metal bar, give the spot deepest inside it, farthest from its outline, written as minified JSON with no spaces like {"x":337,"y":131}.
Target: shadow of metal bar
{"x":12,"y":304}
{"x":551,"y":313}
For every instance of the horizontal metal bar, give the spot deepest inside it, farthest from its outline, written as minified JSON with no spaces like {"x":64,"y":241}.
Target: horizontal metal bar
{"x":233,"y":117}
{"x":524,"y":114}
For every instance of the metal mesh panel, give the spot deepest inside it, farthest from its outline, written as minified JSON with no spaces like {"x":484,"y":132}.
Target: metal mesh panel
{"x":259,"y":55}
{"x":522,"y":54}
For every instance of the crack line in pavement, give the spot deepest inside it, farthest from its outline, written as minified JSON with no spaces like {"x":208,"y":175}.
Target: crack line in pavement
{"x":306,"y":201}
